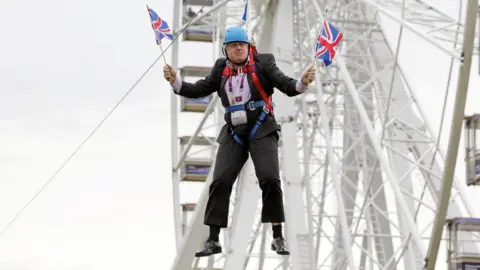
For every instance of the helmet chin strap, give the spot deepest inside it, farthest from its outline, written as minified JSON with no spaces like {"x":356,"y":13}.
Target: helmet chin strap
{"x":239,"y":64}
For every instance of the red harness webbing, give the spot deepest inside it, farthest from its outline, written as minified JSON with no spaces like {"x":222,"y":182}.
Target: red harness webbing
{"x":250,"y":68}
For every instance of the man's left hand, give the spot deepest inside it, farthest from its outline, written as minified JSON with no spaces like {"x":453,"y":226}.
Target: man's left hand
{"x":308,"y":75}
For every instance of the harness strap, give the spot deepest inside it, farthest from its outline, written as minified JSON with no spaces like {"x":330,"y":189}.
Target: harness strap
{"x":259,"y":121}
{"x":228,"y":71}
{"x":258,"y":85}
{"x":251,"y":105}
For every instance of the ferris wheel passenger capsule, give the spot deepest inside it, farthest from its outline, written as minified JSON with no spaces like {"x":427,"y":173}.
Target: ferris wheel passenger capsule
{"x":472,"y":141}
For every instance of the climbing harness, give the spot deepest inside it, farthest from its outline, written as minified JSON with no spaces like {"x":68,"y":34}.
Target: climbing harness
{"x":266,"y":103}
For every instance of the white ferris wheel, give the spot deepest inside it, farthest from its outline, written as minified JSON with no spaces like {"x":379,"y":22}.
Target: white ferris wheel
{"x":361,"y":163}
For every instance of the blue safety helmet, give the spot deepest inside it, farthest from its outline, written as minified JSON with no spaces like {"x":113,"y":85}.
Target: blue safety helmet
{"x":235,"y":34}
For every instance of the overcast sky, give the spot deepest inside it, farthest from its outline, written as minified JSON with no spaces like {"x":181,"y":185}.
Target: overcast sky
{"x":63,"y":66}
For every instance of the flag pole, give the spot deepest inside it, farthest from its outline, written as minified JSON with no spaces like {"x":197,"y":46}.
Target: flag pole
{"x":161,"y":50}
{"x":163,"y":54}
{"x":247,"y":23}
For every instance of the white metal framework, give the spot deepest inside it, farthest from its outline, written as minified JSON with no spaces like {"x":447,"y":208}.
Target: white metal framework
{"x":364,"y":190}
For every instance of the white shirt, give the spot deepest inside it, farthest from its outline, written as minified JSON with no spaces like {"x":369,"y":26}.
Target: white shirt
{"x":240,"y":92}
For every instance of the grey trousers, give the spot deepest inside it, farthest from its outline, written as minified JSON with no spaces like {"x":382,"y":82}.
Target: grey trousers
{"x":230,"y":160}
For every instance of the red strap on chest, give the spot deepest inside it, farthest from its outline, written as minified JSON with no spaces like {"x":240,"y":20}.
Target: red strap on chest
{"x":250,"y":68}
{"x":228,"y":71}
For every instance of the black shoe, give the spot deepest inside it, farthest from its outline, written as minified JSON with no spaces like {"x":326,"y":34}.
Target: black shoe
{"x":210,"y":247}
{"x":280,"y":246}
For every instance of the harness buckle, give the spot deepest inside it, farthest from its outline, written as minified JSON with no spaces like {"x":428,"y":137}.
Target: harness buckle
{"x":251,"y":105}
{"x":266,"y":110}
{"x":240,"y":71}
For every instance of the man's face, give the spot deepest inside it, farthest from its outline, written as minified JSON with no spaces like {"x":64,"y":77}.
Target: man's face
{"x":237,"y":52}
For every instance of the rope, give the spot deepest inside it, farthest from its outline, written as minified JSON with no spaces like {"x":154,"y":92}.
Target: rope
{"x":98,"y":126}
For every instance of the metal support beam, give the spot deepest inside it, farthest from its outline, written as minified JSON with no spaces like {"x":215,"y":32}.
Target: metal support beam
{"x":196,"y":232}
{"x":307,"y":148}
{"x":325,"y":122}
{"x":347,"y":242}
{"x":174,"y":138}
{"x":296,"y":228}
{"x":377,"y":146}
{"x":455,"y":132}
{"x":199,"y":16}
{"x":410,"y":27}
{"x":208,"y":111}
{"x":245,"y":206}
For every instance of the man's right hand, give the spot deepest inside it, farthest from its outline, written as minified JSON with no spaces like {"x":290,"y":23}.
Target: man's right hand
{"x":169,"y":73}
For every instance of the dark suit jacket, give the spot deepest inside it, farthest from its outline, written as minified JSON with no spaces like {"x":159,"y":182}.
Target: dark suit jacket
{"x":270,"y":76}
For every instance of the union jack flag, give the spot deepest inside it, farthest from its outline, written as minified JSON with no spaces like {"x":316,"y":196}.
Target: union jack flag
{"x":160,"y":27}
{"x":327,"y":43}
